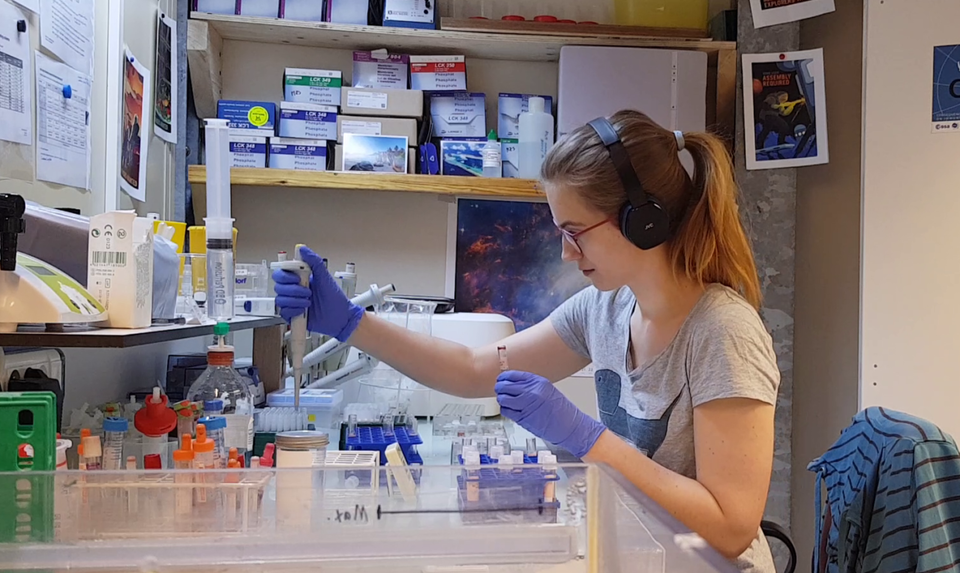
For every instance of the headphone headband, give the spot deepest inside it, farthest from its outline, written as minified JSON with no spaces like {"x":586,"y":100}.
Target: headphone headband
{"x":621,"y":161}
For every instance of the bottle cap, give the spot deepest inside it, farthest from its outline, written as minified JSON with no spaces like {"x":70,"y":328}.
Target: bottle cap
{"x":513,"y":18}
{"x":266,"y":460}
{"x":545,"y":18}
{"x":215,"y":405}
{"x":152,"y":462}
{"x":91,"y":446}
{"x":84,"y":432}
{"x":155,"y":418}
{"x":185,"y":453}
{"x":233,"y":464}
{"x":492,"y":136}
{"x":213,"y":423}
{"x":221,"y":329}
{"x":536,"y":104}
{"x":115,"y":425}
{"x":233,"y":455}
{"x":204,"y":446}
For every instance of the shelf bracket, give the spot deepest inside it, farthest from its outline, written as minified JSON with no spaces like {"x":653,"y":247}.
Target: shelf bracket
{"x":204,"y":47}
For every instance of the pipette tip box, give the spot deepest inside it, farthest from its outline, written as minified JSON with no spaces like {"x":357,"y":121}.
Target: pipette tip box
{"x":308,"y":121}
{"x":319,"y":87}
{"x":252,"y":115}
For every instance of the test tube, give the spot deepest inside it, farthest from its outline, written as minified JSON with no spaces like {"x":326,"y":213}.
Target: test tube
{"x":352,"y":426}
{"x":482,"y":447}
{"x":532,"y":448}
{"x":388,"y":424}
{"x":496,"y":452}
{"x":216,"y":429}
{"x":456,"y":449}
{"x":203,"y":450}
{"x":502,"y":355}
{"x":412,"y":429}
{"x":183,"y":460}
{"x":472,"y":463}
{"x":550,"y":473}
{"x":93,"y":452}
{"x":230,"y":494}
{"x":114,"y":432}
{"x":131,"y":466}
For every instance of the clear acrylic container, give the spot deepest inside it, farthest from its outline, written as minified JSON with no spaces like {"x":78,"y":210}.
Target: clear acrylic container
{"x":127,"y":521}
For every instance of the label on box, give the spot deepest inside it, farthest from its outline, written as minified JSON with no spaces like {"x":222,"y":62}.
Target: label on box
{"x":388,"y":71}
{"x":319,"y":78}
{"x":436,"y":67}
{"x":367,"y":100}
{"x":308,"y":124}
{"x":303,"y":155}
{"x":361,"y":127}
{"x":249,"y":152}
{"x":438,"y":73}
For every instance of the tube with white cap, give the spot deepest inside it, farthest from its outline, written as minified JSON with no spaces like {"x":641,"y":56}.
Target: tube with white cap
{"x":219,"y":225}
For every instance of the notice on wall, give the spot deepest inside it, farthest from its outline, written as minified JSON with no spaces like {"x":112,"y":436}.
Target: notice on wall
{"x":786,"y":115}
{"x":16,"y":77}
{"x":66,"y":29}
{"x":63,"y":124}
{"x":946,"y":89}
{"x":772,"y":12}
{"x":135,"y":123}
{"x":165,"y":96}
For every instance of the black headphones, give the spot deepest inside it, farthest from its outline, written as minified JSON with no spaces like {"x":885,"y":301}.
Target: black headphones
{"x":642,"y":221}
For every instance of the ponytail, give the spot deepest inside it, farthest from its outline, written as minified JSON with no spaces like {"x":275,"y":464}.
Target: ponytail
{"x":710,"y":245}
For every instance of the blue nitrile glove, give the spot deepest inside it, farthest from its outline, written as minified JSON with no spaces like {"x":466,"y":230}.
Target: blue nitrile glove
{"x":536,"y":404}
{"x":328,"y":310}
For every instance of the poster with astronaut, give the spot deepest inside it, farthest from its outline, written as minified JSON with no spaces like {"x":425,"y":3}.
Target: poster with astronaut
{"x":784,"y":109}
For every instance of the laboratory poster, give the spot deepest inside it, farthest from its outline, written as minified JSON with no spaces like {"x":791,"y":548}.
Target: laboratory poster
{"x":506,"y":260}
{"x":946,"y":89}
{"x":134,"y":139}
{"x":165,"y":94}
{"x":784,"y":108}
{"x":771,"y":12}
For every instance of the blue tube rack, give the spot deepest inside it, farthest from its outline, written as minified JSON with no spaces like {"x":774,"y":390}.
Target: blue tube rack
{"x":372,"y":439}
{"x":508,"y":494}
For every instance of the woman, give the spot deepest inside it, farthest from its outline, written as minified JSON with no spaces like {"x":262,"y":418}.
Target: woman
{"x":686,"y":375}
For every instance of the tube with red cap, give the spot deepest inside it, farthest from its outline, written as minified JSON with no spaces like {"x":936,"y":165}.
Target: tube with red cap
{"x":155,"y":420}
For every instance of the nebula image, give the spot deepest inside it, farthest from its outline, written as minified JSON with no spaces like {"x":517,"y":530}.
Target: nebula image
{"x":508,"y":261}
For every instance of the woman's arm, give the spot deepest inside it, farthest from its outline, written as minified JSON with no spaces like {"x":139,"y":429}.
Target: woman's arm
{"x":733,"y":438}
{"x":460,"y":370}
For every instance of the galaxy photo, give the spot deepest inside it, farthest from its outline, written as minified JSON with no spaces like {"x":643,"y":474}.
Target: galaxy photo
{"x":508,"y":261}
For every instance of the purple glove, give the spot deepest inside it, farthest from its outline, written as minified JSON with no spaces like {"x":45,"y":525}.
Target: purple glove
{"x":534,"y":403}
{"x":328,"y":310}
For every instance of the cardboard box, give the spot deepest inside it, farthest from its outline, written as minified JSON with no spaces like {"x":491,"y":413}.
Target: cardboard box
{"x":438,"y":73}
{"x":376,"y":126}
{"x":319,"y":87}
{"x":120,"y":267}
{"x":302,"y":10}
{"x":458,"y":114}
{"x":378,"y":69}
{"x":259,"y":8}
{"x":382,"y":102}
{"x":248,"y":151}
{"x":345,"y":11}
{"x":298,"y":154}
{"x":216,"y":6}
{"x":510,"y":158}
{"x":462,"y":156}
{"x":308,"y":121}
{"x":509,"y":108}
{"x":411,"y":159}
{"x":258,"y":115}
{"x":410,"y":14}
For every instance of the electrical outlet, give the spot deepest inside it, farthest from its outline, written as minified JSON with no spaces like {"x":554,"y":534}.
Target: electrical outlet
{"x":48,"y":361}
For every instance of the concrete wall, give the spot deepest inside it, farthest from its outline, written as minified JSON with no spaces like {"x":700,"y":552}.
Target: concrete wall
{"x":768,"y":207}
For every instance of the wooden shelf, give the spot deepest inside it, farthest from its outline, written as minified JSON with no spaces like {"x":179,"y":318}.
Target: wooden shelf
{"x":91,"y":337}
{"x":488,"y":45}
{"x":437,"y":184}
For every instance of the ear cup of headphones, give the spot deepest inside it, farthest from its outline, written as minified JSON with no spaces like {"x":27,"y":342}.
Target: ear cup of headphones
{"x":646,"y":226}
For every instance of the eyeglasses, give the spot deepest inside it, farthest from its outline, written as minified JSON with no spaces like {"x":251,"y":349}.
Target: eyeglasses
{"x":572,"y":237}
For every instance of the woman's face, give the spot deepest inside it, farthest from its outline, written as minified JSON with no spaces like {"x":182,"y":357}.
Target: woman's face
{"x":592,"y":240}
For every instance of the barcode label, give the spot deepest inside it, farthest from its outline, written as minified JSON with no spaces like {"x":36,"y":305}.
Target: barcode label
{"x":112,"y":258}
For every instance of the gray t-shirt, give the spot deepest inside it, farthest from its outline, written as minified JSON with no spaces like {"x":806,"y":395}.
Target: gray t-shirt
{"x":722,"y":350}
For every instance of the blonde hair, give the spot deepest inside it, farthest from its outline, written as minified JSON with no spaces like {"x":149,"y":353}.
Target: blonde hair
{"x":707,"y":242}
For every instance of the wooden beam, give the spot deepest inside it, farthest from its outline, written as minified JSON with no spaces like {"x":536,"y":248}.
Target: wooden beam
{"x":204,"y":47}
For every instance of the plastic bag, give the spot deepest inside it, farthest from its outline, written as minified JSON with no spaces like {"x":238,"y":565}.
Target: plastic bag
{"x":166,"y":277}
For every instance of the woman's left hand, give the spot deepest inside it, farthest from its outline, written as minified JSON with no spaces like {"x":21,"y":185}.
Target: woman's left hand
{"x":536,"y":404}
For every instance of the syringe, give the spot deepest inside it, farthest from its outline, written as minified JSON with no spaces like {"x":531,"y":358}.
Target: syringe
{"x":219,"y":223}
{"x":298,"y":326}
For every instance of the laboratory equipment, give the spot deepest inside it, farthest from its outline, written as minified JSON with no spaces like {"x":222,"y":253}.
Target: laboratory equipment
{"x":492,"y":165}
{"x":295,"y":488}
{"x":351,"y":473}
{"x":114,"y":433}
{"x":222,"y":381}
{"x":372,"y":438}
{"x":272,"y":420}
{"x":353,"y":370}
{"x":204,"y":451}
{"x":322,"y":406}
{"x":155,"y":420}
{"x":352,"y":426}
{"x":92,"y":452}
{"x":183,"y":460}
{"x":296,"y":344}
{"x":536,"y":138}
{"x":221,"y":275}
{"x":216,"y":428}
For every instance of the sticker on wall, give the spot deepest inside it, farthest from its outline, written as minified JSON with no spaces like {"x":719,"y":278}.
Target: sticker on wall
{"x":135,"y":126}
{"x":946,"y":89}
{"x":787,"y":112}
{"x":771,"y":12}
{"x":165,"y":96}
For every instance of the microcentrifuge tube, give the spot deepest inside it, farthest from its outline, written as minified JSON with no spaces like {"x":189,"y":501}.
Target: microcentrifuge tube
{"x":388,"y":425}
{"x":352,"y":426}
{"x":412,"y":429}
{"x":482,"y":447}
{"x":531,"y":448}
{"x":456,"y":448}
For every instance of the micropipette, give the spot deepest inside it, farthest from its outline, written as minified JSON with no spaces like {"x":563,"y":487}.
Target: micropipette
{"x":298,"y":326}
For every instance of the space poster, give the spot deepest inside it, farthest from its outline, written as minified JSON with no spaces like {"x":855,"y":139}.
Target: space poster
{"x":784,"y":106}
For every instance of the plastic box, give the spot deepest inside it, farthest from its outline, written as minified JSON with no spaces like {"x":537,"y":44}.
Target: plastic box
{"x":603,"y":525}
{"x":323,"y":406}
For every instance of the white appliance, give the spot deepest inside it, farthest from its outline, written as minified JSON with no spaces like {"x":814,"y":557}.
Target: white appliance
{"x":470,"y":329}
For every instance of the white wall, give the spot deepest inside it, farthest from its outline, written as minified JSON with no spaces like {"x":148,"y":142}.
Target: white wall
{"x":911,"y":204}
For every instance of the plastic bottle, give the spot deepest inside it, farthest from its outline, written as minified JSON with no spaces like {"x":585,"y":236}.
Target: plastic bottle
{"x":221,"y":381}
{"x":114,"y":432}
{"x":536,"y":138}
{"x":492,"y":164}
{"x":155,"y":420}
{"x":216,"y":430}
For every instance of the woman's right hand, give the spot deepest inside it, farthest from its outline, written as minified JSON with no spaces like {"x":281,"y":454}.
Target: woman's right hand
{"x":329,"y":312}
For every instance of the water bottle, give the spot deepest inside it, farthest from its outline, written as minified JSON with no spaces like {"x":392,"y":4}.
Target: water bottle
{"x":536,"y":138}
{"x":492,"y":165}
